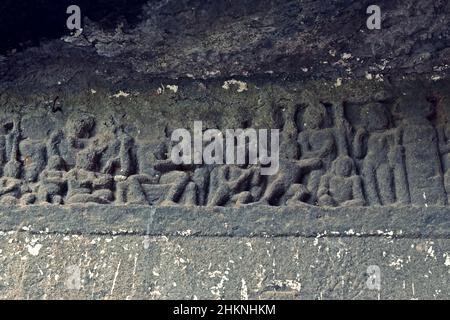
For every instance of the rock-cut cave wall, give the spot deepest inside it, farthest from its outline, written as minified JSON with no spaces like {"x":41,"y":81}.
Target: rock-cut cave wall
{"x":93,"y":207}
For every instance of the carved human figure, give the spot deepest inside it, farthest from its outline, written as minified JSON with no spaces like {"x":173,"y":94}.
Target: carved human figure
{"x":13,"y":168}
{"x":63,"y":148}
{"x":130,"y":189}
{"x":317,"y":141}
{"x":341,"y":186}
{"x":84,"y":182}
{"x":11,"y":190}
{"x":33,"y":155}
{"x":286,"y":186}
{"x":86,"y":186}
{"x":52,"y":185}
{"x":178,"y":177}
{"x":5,"y":130}
{"x":231,"y":183}
{"x":11,"y":186}
{"x":64,"y":144}
{"x":379,"y":147}
{"x":422,"y":157}
{"x":443,"y":131}
{"x":121,"y":164}
{"x":156,"y":169}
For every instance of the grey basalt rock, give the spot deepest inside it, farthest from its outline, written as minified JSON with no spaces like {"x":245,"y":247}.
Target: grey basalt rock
{"x":222,"y":39}
{"x":93,"y":207}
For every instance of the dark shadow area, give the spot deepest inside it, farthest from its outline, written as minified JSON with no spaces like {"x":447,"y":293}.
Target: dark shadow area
{"x":26,"y":23}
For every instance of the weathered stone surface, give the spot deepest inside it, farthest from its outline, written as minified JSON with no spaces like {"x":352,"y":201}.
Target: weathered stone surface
{"x":155,"y":251}
{"x":362,"y":144}
{"x":91,"y":206}
{"x":38,"y":266}
{"x":221,"y":39}
{"x":253,"y":221}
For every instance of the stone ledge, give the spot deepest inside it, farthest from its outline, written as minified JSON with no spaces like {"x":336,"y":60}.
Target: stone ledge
{"x":247,"y":221}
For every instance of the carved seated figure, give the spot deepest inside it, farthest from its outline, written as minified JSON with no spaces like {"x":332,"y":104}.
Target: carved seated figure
{"x":177,"y":179}
{"x":120,"y":164}
{"x":341,"y":187}
{"x":285,"y":187}
{"x":33,"y":156}
{"x":230,"y":183}
{"x":84,"y":183}
{"x":51,"y":187}
{"x":130,"y":189}
{"x":159,"y":180}
{"x":87,"y":186}
{"x":10,"y":190}
{"x":66,"y":143}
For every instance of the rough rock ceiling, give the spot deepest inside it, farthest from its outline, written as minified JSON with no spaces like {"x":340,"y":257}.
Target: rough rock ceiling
{"x":222,"y":39}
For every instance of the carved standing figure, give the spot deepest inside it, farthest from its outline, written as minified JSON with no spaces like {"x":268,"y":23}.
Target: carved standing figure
{"x":422,"y":157}
{"x":380,"y":148}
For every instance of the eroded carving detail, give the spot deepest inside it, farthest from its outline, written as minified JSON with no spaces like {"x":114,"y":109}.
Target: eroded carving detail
{"x":377,"y":152}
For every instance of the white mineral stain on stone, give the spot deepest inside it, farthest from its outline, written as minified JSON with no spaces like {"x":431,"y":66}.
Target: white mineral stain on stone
{"x":435,"y":78}
{"x":119,"y":178}
{"x":116,"y":274}
{"x":120,"y":94}
{"x":425,"y":198}
{"x":34,"y":249}
{"x":346,"y":56}
{"x":155,"y":293}
{"x":172,"y":87}
{"x":219,"y":287}
{"x":241,"y":86}
{"x":350,"y":232}
{"x":397,"y":264}
{"x":447,"y":259}
{"x":316,"y":241}
{"x":385,"y":233}
{"x":430,"y":252}
{"x":379,"y":77}
{"x":185,"y":233}
{"x":180,"y":262}
{"x":244,"y":290}
{"x":260,"y":274}
{"x":213,"y":73}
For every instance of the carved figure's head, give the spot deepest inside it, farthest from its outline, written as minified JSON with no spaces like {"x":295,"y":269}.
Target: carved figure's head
{"x":80,"y":126}
{"x":372,"y":116}
{"x":314,"y":117}
{"x":413,"y":109}
{"x":343,"y":166}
